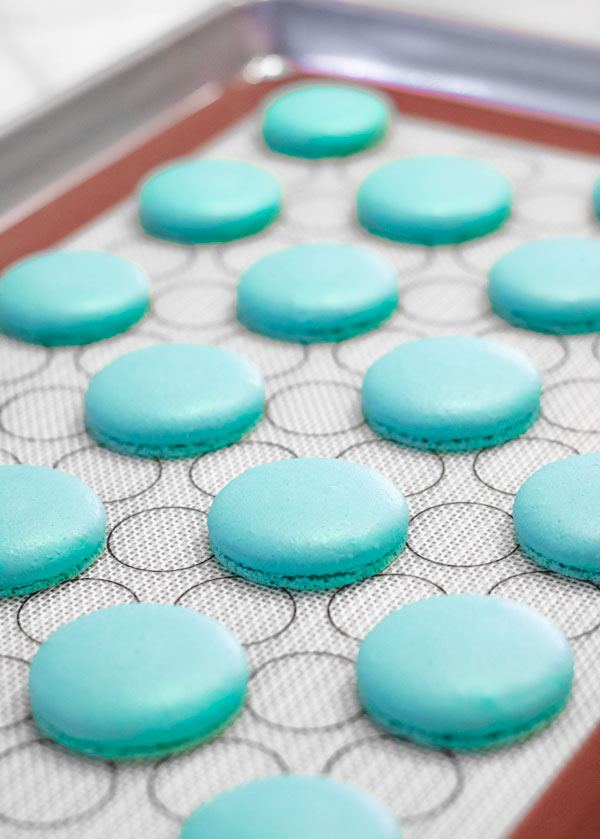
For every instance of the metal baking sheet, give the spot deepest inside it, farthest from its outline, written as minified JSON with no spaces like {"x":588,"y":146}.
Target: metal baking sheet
{"x":302,"y":713}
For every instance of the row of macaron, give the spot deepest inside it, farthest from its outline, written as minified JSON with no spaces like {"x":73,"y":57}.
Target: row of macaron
{"x":331,"y":291}
{"x":547,"y":286}
{"x":304,"y":523}
{"x":419,"y":199}
{"x":137,"y":681}
{"x":445,"y":393}
{"x":307,"y":293}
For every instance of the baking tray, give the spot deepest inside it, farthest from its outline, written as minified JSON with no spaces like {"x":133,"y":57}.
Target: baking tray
{"x":69,"y":175}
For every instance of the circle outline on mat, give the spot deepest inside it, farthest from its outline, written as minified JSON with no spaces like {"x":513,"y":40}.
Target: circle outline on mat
{"x":508,"y":329}
{"x":462,"y":257}
{"x":523,"y":220}
{"x":337,"y":346}
{"x":197,"y":286}
{"x":298,"y":386}
{"x":366,"y":582}
{"x":250,"y":584}
{"x":556,"y":577}
{"x":339,"y":194}
{"x":43,"y":365}
{"x":155,"y":480}
{"x":16,"y":461}
{"x":141,"y":513}
{"x":544,"y":415}
{"x":383,"y":442}
{"x":132,"y":333}
{"x":534,"y":165}
{"x":304,"y":349}
{"x":461,"y":504}
{"x":28,"y":715}
{"x":448,"y":753}
{"x":136,"y":599}
{"x":304,"y":729}
{"x":221,"y":258}
{"x":187,"y":256}
{"x":31,"y":824}
{"x":421,"y":283}
{"x":235,"y":445}
{"x":45,"y":388}
{"x":389,"y":250}
{"x":512,"y":442}
{"x":151,"y":780}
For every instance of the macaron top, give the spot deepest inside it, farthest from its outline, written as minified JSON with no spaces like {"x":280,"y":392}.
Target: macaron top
{"x":450,"y":389}
{"x":324,"y":121}
{"x":51,"y":525}
{"x":72,"y":297}
{"x":211,"y":200}
{"x":292,"y":807}
{"x":473,"y":668}
{"x":308,"y":516}
{"x":137,"y":679}
{"x":317,"y":289}
{"x":174,"y":395}
{"x":556,"y":512}
{"x":549,"y":285}
{"x":434,"y":199}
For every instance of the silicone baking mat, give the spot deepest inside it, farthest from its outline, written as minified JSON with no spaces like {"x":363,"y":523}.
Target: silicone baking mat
{"x":302,"y":714}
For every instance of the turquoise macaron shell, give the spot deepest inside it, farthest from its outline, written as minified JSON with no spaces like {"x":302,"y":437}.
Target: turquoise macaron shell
{"x":596,"y":198}
{"x":211,"y":200}
{"x":451,"y":393}
{"x":317,"y":292}
{"x":556,"y":516}
{"x":324,"y":121}
{"x":551,"y":285}
{"x":292,"y":807}
{"x":137,"y":680}
{"x":174,"y":400}
{"x":308,"y":523}
{"x":464,"y":671}
{"x":52,"y":526}
{"x":68,"y":298}
{"x":434,"y":199}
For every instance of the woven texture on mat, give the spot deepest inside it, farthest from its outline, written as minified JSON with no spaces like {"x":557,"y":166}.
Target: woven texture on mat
{"x":302,"y":713}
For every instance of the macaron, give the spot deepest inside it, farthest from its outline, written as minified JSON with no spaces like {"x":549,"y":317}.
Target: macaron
{"x":434,"y":199}
{"x":318,"y":121}
{"x":174,"y":400}
{"x":308,"y":523}
{"x":551,"y":285}
{"x":69,"y":298}
{"x":596,"y":198}
{"x":52,"y":527}
{"x":464,"y":671}
{"x":292,"y":807}
{"x":211,"y":200}
{"x":556,"y":519}
{"x":317,"y":292}
{"x":451,"y":393}
{"x":137,"y":680}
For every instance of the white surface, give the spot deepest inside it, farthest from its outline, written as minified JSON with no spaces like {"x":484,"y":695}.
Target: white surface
{"x":46,"y":47}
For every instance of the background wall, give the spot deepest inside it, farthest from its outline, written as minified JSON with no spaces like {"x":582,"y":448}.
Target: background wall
{"x":46,"y":46}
